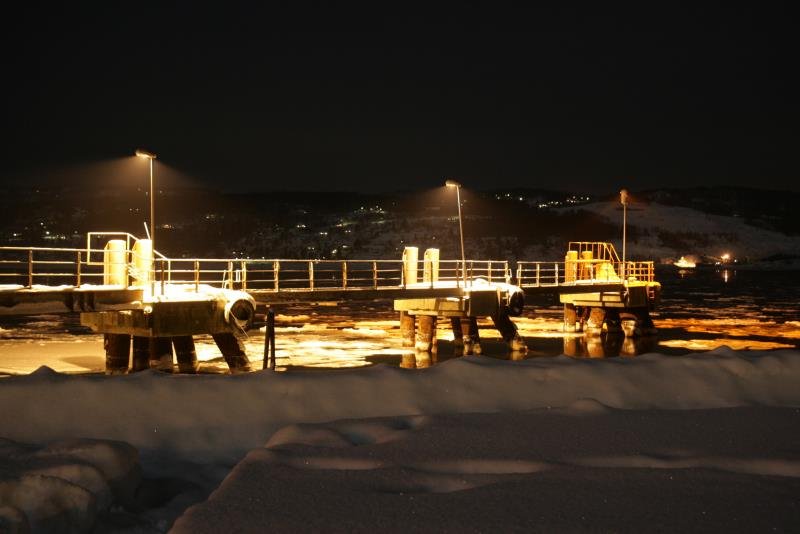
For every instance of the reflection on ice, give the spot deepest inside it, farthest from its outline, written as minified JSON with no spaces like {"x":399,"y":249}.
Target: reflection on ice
{"x":755,"y":311}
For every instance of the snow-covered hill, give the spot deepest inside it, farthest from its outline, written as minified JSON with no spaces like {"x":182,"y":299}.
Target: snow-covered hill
{"x":660,"y":231}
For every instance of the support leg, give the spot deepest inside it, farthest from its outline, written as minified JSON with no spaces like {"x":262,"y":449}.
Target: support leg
{"x":118,"y":348}
{"x":570,"y":317}
{"x":425,"y":333}
{"x":185,"y":354}
{"x":232,"y":349}
{"x":458,"y":335}
{"x":161,"y":354}
{"x":509,"y":333}
{"x":141,"y":354}
{"x":613,"y":323}
{"x":594,"y":325}
{"x":407,"y":329}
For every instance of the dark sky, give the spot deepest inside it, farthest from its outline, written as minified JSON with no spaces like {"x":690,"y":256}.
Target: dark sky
{"x":320,"y":99}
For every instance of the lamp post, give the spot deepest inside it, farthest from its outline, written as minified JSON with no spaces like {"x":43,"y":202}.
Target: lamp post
{"x":150,"y":156}
{"x":453,"y":183}
{"x":623,"y":198}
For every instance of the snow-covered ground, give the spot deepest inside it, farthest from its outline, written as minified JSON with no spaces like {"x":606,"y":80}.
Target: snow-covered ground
{"x":566,"y":434}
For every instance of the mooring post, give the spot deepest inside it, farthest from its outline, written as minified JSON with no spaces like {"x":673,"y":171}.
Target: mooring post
{"x":118,"y":348}
{"x":185,"y":354}
{"x":407,"y":329}
{"x":269,"y":342}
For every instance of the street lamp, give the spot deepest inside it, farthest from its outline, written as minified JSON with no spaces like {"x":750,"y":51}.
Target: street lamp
{"x":623,"y":198}
{"x":150,"y":156}
{"x":453,"y":183}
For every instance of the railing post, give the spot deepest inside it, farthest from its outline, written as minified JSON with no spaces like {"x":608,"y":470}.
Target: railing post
{"x":344,"y":275}
{"x":30,"y":268}
{"x":244,"y":275}
{"x":230,"y":274}
{"x":490,"y":271}
{"x":375,"y":275}
{"x":538,"y":272}
{"x":506,"y":272}
{"x":519,"y":273}
{"x":196,"y":276}
{"x":556,"y":274}
{"x":162,"y":277}
{"x":276,"y":268}
{"x":78,"y":270}
{"x":311,"y":275}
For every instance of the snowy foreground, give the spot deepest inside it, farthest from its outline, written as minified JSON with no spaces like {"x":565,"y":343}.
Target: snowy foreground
{"x":701,"y":442}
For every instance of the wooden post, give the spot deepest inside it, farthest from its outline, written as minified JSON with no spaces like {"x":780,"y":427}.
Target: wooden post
{"x":269,"y":342}
{"x":407,"y":329}
{"x":375,"y":275}
{"x":196,"y":276}
{"x":232,"y":349}
{"x":344,"y":275}
{"x":276,"y":268}
{"x":185,"y":354}
{"x":311,"y":275}
{"x":244,"y":275}
{"x":230,"y":275}
{"x":117,"y":347}
{"x":538,"y":269}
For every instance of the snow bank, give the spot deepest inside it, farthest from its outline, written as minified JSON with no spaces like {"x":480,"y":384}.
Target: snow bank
{"x":588,"y":468}
{"x":221,"y":417}
{"x":63,"y":486}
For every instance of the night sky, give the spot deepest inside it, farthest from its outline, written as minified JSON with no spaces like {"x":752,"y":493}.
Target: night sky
{"x":321,"y":99}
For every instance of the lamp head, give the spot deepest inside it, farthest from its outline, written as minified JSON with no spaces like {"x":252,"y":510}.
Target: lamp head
{"x":145,"y":154}
{"x":452,"y":183}
{"x":623,"y":197}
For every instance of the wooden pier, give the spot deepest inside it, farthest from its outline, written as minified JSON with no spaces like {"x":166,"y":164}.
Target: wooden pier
{"x":135,"y":295}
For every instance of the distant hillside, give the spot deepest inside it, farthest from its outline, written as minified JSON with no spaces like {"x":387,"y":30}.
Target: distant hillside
{"x":668,"y":231}
{"x":772,"y":210}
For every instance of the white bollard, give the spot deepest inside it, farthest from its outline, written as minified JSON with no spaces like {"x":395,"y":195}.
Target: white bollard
{"x":115,"y":264}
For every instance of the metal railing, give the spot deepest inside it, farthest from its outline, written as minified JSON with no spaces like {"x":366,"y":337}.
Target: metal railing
{"x":598,"y":250}
{"x":308,"y":275}
{"x":581,"y":272}
{"x":29,"y":266}
{"x":55,"y":267}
